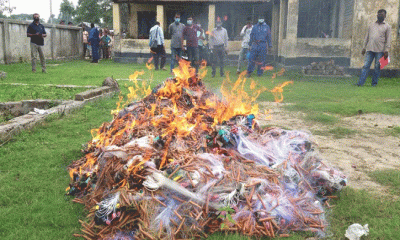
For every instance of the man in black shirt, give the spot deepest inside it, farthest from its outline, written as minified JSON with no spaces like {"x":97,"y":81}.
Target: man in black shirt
{"x":37,"y":33}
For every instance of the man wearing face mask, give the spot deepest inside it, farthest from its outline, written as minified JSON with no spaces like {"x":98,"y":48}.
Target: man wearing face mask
{"x":192,"y":42}
{"x":260,"y":43}
{"x":37,"y":33}
{"x":376,"y":44}
{"x":175,"y":30}
{"x":219,"y":47}
{"x":245,"y":33}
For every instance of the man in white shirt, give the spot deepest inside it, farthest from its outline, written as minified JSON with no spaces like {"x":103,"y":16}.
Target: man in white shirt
{"x":156,"y":43}
{"x":245,"y":33}
{"x":219,"y":47}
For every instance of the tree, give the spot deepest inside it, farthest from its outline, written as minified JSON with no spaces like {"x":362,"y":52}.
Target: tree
{"x":88,"y":11}
{"x":5,"y":8}
{"x":22,"y":16}
{"x":107,"y":15}
{"x":67,"y":11}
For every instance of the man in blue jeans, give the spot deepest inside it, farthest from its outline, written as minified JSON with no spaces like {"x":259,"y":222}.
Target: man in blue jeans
{"x":376,"y":44}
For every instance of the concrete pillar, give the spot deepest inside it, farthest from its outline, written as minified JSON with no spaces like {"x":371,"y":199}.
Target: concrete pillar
{"x":160,"y":15}
{"x":275,"y":26}
{"x":52,"y":39}
{"x":282,"y":23}
{"x":116,"y":19}
{"x":211,"y":17}
{"x":133,"y":20}
{"x":6,"y":42}
{"x":292,"y":19}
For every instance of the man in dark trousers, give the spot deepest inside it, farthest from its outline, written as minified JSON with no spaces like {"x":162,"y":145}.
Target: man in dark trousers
{"x":94,"y":41}
{"x":260,"y":43}
{"x":156,"y":43}
{"x":192,"y":42}
{"x":175,"y":30}
{"x":219,"y":47}
{"x":376,"y":44}
{"x":37,"y":33}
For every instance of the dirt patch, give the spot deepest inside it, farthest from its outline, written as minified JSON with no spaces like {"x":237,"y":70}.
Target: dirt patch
{"x":369,"y":148}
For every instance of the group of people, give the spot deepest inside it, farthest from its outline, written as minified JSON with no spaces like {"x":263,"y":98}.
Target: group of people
{"x":255,"y":46}
{"x":97,"y":42}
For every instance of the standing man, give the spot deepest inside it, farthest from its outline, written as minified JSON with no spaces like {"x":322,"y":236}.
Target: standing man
{"x":106,"y":42}
{"x":94,"y":41}
{"x":156,"y":43}
{"x":245,"y":33}
{"x":376,"y":44}
{"x":85,"y":38}
{"x":260,"y":43}
{"x":219,"y":47}
{"x":176,"y":32}
{"x":37,"y":33}
{"x":201,"y":36}
{"x":192,"y":42}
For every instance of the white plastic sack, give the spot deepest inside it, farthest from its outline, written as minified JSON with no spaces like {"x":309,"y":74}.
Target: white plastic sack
{"x":356,"y":231}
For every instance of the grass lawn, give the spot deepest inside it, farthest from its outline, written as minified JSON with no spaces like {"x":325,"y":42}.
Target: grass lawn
{"x":33,"y":164}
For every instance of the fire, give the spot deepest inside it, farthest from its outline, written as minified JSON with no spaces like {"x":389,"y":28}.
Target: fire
{"x":167,"y":113}
{"x":278,"y":90}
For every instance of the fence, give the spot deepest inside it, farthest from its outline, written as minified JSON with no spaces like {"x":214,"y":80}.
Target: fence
{"x":61,"y":41}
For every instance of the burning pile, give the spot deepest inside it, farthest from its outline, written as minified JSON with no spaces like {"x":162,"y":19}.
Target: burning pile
{"x":181,"y":163}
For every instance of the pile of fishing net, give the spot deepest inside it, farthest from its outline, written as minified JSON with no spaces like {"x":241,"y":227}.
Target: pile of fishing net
{"x":182,"y":164}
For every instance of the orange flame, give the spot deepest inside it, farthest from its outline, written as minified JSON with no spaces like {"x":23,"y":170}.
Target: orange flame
{"x":277,"y":91}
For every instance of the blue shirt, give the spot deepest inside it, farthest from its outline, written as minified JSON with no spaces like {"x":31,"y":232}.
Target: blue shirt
{"x":33,"y":29}
{"x":94,"y":36}
{"x":261,"y":33}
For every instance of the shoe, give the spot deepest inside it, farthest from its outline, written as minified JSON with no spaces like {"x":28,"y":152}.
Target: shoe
{"x":44,"y":71}
{"x":164,"y":69}
{"x":33,"y":70}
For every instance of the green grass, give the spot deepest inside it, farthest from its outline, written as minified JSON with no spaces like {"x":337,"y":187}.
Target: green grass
{"x":341,"y":132}
{"x":395,"y":131}
{"x":322,"y":118}
{"x":33,"y":164}
{"x":388,"y":177}
{"x":13,"y":93}
{"x":33,"y":175}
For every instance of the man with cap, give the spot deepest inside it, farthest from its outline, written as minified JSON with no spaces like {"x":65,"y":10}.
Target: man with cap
{"x":260,"y":43}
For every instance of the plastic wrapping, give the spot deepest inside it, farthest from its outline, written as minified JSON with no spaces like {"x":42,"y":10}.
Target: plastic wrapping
{"x":356,"y":231}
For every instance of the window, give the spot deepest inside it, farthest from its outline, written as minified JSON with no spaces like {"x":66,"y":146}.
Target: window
{"x":325,"y":18}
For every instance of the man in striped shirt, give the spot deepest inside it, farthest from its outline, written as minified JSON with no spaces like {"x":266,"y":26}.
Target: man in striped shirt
{"x":376,"y":44}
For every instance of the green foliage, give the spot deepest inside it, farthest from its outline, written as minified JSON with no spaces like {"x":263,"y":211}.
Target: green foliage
{"x":67,"y":11}
{"x":94,"y":11}
{"x":225,"y":215}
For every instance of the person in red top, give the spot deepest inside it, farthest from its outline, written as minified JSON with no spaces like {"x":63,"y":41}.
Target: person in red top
{"x":192,"y":41}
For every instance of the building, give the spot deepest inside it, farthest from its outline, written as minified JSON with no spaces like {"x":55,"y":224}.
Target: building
{"x":303,"y":31}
